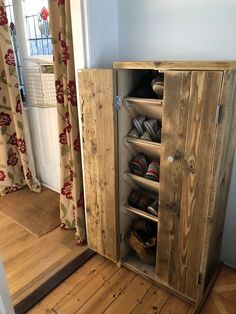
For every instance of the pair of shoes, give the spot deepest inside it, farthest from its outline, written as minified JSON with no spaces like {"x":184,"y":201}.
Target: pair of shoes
{"x":142,"y":239}
{"x":141,"y":166}
{"x":148,"y":130}
{"x":143,"y":202}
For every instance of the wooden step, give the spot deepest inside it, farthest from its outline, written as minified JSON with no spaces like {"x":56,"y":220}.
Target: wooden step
{"x":141,"y":213}
{"x":149,"y":185}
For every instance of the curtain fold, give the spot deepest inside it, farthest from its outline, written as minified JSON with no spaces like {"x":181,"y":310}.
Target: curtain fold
{"x":71,"y":197}
{"x":14,"y":166}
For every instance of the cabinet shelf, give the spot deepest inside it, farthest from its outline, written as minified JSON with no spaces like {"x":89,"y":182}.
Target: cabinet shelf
{"x":149,"y":101}
{"x":141,"y":213}
{"x":132,"y":261}
{"x":151,"y":108}
{"x":149,"y":185}
{"x":151,"y":149}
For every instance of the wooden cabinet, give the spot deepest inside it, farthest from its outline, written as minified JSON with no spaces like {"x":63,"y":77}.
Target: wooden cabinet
{"x":197,"y":117}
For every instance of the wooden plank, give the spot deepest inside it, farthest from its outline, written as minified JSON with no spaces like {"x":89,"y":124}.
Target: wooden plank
{"x":175,"y":305}
{"x":186,"y":208}
{"x":68,"y":285}
{"x":222,"y":168}
{"x":152,"y":302}
{"x":150,"y":149}
{"x":176,"y":102}
{"x":177,"y":65}
{"x":146,"y":184}
{"x":130,"y":296}
{"x":100,"y":301}
{"x":86,"y":288}
{"x":141,"y":213}
{"x":99,"y":160}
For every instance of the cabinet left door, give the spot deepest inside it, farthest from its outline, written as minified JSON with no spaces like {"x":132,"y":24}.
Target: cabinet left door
{"x":98,"y":118}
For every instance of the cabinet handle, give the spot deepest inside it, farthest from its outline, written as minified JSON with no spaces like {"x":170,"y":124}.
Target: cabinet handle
{"x":174,"y":157}
{"x":171,"y":158}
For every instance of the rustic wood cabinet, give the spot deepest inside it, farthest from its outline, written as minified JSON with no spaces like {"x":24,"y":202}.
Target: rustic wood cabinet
{"x":197,"y":115}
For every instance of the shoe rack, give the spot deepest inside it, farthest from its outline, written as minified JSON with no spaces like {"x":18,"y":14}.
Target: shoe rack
{"x":129,"y":147}
{"x":196,"y":153}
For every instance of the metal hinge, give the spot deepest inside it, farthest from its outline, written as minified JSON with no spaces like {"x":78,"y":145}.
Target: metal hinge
{"x":217,"y":117}
{"x":199,"y":279}
{"x":117,"y":102}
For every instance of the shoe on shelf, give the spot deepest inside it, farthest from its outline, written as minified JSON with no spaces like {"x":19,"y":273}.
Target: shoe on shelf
{"x":152,"y":127}
{"x":144,"y":202}
{"x":134,"y":198}
{"x":138,"y":123}
{"x":153,"y":171}
{"x":146,"y":226}
{"x":134,"y":133}
{"x":146,"y":136}
{"x":139,"y":165}
{"x":158,"y":136}
{"x":153,"y":208}
{"x":143,"y":247}
{"x":158,"y":86}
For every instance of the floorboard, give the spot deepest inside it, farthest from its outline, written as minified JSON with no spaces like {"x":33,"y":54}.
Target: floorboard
{"x":100,"y":286}
{"x":30,"y":261}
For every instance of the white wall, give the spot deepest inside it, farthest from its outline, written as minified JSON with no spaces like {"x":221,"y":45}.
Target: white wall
{"x":177,"y":29}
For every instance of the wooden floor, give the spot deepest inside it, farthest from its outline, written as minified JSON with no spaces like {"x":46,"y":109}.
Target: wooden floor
{"x":29,"y":261}
{"x":99,"y":286}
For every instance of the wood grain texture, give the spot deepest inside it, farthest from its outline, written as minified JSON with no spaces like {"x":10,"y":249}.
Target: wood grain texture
{"x":177,"y":65}
{"x":29,"y":261}
{"x":222,"y":168}
{"x":99,"y":155}
{"x":189,"y":131}
{"x":101,"y":286}
{"x":38,"y":213}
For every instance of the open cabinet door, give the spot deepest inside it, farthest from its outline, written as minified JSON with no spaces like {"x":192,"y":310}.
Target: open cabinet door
{"x":99,"y":158}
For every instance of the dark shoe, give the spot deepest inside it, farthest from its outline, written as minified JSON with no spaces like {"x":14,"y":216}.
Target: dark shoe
{"x":144,"y":202}
{"x":139,"y":165}
{"x":134,"y":198}
{"x":138,"y":123}
{"x":144,"y":248}
{"x":153,"y":171}
{"x":146,"y":136}
{"x":158,"y":86}
{"x":152,"y":127}
{"x":153,"y":208}
{"x":134,"y":133}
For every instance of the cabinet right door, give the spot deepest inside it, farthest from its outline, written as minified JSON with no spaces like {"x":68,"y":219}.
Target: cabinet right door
{"x":189,"y":128}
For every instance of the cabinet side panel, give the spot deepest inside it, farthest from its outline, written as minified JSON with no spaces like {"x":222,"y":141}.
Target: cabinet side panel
{"x":99,"y":154}
{"x":223,"y":162}
{"x":189,"y":132}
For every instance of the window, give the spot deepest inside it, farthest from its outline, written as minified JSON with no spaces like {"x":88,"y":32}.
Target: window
{"x":37,"y":27}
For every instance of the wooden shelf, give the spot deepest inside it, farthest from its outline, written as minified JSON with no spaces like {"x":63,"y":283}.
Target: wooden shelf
{"x":151,"y":149}
{"x":149,"y":101}
{"x":134,"y":263}
{"x":141,"y":213}
{"x":151,"y":108}
{"x":149,"y":185}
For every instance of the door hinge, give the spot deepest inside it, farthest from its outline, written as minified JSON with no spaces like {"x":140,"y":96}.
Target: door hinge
{"x":217,"y":117}
{"x":117,"y":102}
{"x":199,"y":279}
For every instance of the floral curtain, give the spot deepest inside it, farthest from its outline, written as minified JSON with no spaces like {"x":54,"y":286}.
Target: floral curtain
{"x":14,"y":167}
{"x":71,"y":198}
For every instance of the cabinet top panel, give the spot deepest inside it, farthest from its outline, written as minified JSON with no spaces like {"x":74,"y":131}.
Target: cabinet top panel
{"x":177,"y":65}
